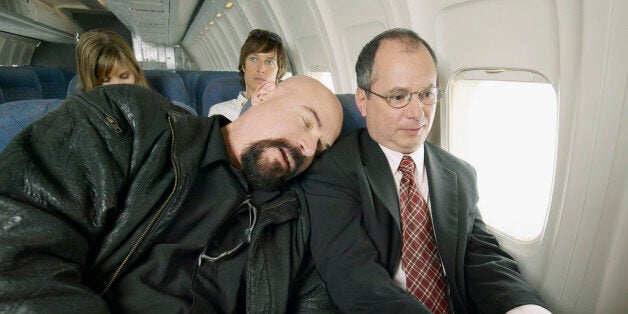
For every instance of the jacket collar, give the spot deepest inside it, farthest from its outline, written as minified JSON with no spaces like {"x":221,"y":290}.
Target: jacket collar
{"x":378,"y":173}
{"x":215,"y":147}
{"x":444,"y":203}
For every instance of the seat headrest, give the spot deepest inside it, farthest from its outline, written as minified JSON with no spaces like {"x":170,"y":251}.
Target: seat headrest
{"x":15,"y":116}
{"x":219,"y":90}
{"x":352,"y":119}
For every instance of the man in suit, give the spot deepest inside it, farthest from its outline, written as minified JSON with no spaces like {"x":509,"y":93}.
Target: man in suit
{"x":395,"y":226}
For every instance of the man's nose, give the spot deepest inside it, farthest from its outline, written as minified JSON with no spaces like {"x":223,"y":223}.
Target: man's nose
{"x":414,"y":110}
{"x":308,"y":145}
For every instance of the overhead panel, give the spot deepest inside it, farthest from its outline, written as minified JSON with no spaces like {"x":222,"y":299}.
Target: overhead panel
{"x":14,"y":23}
{"x":155,"y":21}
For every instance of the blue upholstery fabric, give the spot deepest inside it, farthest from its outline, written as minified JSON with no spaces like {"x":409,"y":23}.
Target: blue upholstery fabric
{"x":169,"y":84}
{"x":219,"y":90}
{"x":52,"y":81}
{"x":74,"y":86}
{"x":19,"y":84}
{"x":189,"y":109}
{"x":68,"y":74}
{"x":203,"y":80}
{"x":17,"y":115}
{"x":352,"y":119}
{"x":189,"y":80}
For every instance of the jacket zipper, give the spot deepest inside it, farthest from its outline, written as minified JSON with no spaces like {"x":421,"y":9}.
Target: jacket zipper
{"x":257,"y":235}
{"x":153,"y":220}
{"x":266,"y":223}
{"x":110,"y":120}
{"x":113,"y":124}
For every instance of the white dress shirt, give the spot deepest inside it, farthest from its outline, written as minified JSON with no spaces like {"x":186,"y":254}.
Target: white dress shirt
{"x":230,"y":108}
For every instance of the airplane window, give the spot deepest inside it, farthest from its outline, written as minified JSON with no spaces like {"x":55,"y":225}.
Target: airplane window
{"x":504,"y":123}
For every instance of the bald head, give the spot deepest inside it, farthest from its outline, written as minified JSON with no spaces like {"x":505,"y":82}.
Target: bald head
{"x":287,"y":126}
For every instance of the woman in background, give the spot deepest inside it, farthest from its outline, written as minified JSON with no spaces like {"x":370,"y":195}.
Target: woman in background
{"x":104,"y":57}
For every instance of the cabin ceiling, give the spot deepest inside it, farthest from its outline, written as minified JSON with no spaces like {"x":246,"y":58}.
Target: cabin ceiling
{"x":155,"y":21}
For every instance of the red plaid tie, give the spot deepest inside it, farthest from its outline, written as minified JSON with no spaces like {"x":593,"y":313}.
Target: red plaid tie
{"x":424,"y":275}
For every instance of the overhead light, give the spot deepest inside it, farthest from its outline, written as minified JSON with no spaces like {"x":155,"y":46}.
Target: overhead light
{"x":218,"y":15}
{"x":102,"y":4}
{"x":201,"y":33}
{"x":229,"y":5}
{"x":206,"y":28}
{"x":211,"y":23}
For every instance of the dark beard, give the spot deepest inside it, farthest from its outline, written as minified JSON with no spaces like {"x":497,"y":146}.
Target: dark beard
{"x":264,"y":175}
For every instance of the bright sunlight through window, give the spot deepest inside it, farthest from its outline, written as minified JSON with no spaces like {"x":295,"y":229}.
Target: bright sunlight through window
{"x":507,"y":131}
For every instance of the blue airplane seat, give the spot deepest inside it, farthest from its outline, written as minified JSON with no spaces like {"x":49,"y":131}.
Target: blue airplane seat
{"x":219,"y":90}
{"x":74,"y":86}
{"x":169,"y":84}
{"x":352,"y":119}
{"x":203,"y":80}
{"x":19,"y":84}
{"x":15,"y":116}
{"x":68,"y":74}
{"x":52,"y":81}
{"x":189,"y":109}
{"x":189,"y":80}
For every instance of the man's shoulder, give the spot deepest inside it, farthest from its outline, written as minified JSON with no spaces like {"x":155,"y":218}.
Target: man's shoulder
{"x":349,"y":145}
{"x":449,"y":160}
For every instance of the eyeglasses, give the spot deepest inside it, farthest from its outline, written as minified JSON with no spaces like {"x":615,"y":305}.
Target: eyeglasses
{"x":262,"y":34}
{"x":401,"y":98}
{"x":241,"y":243}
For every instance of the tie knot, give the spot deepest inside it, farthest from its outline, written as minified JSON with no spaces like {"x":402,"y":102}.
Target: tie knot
{"x":406,"y":166}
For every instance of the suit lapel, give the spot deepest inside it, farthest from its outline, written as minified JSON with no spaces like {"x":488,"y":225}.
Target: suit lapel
{"x":444,"y":205}
{"x":379,"y":176}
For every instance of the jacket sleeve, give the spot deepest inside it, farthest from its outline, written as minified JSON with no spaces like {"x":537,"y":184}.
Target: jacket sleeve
{"x":341,"y":248}
{"x":489,"y":281}
{"x":309,"y":293}
{"x":52,"y":178}
{"x":492,"y":279}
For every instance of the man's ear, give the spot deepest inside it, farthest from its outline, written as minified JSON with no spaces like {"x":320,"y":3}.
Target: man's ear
{"x":262,"y":92}
{"x":360,"y":101}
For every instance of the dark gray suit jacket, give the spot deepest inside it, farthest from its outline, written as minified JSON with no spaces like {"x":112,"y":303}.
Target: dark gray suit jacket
{"x":356,"y":234}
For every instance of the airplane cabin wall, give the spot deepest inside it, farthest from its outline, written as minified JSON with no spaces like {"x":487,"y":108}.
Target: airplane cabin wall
{"x":494,"y":33}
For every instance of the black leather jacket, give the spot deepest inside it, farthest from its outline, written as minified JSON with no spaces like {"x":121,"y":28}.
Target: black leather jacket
{"x":85,"y":191}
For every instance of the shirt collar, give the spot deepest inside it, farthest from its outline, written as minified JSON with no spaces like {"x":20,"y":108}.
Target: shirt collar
{"x":216,"y":148}
{"x":241,"y":99}
{"x":394,"y":157}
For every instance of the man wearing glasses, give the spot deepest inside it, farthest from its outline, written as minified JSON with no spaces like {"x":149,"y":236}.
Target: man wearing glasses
{"x":395,"y":227}
{"x":120,"y":202}
{"x":262,"y":59}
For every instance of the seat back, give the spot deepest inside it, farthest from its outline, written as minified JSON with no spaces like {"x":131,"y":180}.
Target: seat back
{"x":219,"y":90}
{"x":352,"y":119}
{"x":190,"y":79}
{"x":52,"y":81}
{"x":17,"y":115}
{"x":169,"y":84}
{"x":203,"y":80}
{"x":68,"y":74}
{"x":74,"y":86}
{"x":187,"y":108}
{"x":19,"y":84}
